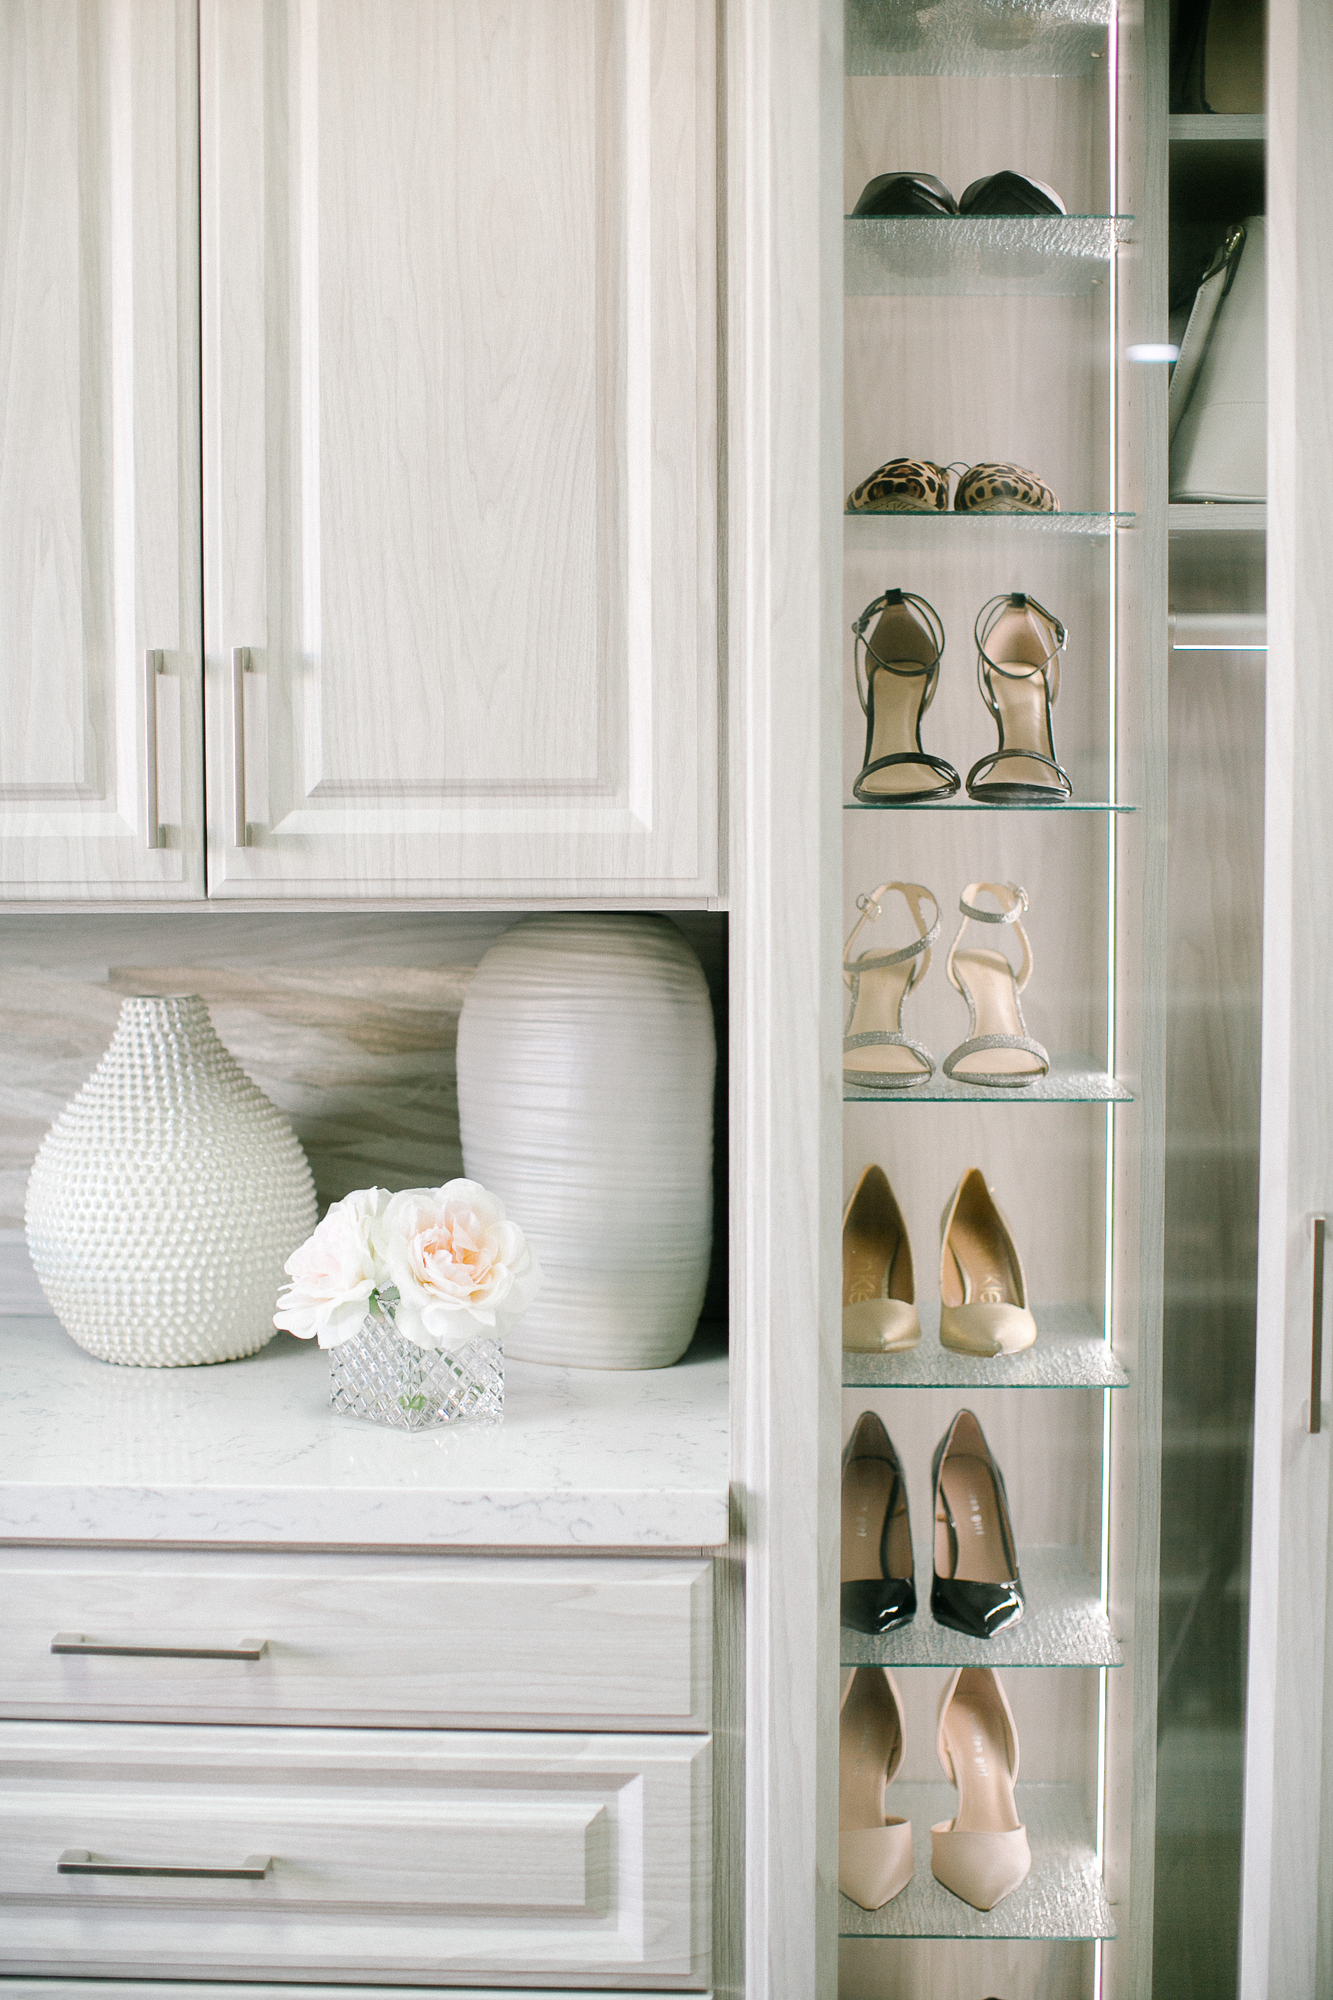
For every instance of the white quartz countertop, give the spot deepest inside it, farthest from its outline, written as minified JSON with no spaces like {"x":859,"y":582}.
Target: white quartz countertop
{"x":249,"y":1451}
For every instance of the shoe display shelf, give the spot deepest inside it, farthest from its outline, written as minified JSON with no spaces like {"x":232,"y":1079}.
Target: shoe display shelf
{"x":1071,"y":1351}
{"x":1064,"y":1624}
{"x":977,"y":256}
{"x":976,"y":37}
{"x":1063,"y":1896}
{"x":1077,"y":1669}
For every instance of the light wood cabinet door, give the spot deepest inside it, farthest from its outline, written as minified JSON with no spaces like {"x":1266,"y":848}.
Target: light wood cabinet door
{"x":460,"y":448}
{"x":401,"y":1641}
{"x":101,"y":748}
{"x":402,"y":1855}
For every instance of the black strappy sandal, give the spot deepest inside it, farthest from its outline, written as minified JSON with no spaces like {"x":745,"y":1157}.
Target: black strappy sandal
{"x":1020,"y":691}
{"x":907,"y":643}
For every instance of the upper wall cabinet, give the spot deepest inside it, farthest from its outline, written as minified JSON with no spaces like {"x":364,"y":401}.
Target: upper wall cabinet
{"x":460,"y":447}
{"x":101,"y":750}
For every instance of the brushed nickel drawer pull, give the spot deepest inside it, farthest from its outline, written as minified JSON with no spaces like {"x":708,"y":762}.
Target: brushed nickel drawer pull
{"x":153,"y":662}
{"x":1317,"y":1327}
{"x":240,"y":667}
{"x":78,"y":1642}
{"x":78,"y":1861}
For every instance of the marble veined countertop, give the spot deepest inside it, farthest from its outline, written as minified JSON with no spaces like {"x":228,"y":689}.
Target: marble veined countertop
{"x":249,"y":1451}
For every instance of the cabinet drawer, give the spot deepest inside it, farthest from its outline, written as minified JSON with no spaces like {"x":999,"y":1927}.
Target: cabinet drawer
{"x":397,"y":1855}
{"x":416,"y":1641}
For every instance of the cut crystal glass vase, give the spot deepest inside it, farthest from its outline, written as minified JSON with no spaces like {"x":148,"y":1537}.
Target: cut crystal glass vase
{"x":380,"y":1376}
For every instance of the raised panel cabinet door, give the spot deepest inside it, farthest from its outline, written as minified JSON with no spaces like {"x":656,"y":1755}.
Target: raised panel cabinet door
{"x":410,"y":1856}
{"x":398,"y":1641}
{"x":460,"y":442}
{"x":101,"y":629}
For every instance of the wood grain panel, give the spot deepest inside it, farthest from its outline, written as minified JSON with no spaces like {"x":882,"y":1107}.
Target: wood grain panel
{"x":1286,"y":1892}
{"x":99,"y":449}
{"x":397,"y":1642}
{"x":403,"y":1855}
{"x":460,"y":446}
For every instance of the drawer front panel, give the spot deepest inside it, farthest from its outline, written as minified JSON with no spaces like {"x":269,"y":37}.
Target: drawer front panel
{"x":415,"y":1641}
{"x":137,"y":1852}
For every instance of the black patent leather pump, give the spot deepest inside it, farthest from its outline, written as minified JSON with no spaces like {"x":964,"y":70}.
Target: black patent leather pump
{"x":976,"y":1587}
{"x":878,"y":1574}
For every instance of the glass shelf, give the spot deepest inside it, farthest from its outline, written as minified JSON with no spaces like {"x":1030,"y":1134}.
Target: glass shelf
{"x":960,"y":804}
{"x":1064,"y":1624}
{"x":1063,"y":1897}
{"x":1006,"y":256}
{"x":1070,"y":1080}
{"x":976,"y":37}
{"x":929,"y":532}
{"x":1068,"y":1353}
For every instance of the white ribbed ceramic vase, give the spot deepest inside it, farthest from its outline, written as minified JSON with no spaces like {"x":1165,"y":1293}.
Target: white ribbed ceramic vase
{"x":167,"y":1197}
{"x":585,"y":1098}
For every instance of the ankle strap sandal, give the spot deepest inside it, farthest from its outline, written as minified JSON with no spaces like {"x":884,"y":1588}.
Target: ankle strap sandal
{"x":1020,"y":693}
{"x":999,"y":1053}
{"x":893,"y":721}
{"x":877,"y":1055}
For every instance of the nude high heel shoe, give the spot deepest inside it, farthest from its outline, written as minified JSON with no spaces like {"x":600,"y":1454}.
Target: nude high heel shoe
{"x":874,"y":1851}
{"x":877,"y":1055}
{"x":878,"y":1571}
{"x":998,"y":1052}
{"x":983,"y":1292}
{"x":982,"y":1853}
{"x":879,"y":1313}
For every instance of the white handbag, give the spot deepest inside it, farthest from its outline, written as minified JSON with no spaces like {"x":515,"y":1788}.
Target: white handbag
{"x":1218,"y":403}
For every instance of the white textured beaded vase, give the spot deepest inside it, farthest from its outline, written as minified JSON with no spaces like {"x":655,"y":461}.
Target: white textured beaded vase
{"x":585,"y":1098}
{"x":166,"y":1198}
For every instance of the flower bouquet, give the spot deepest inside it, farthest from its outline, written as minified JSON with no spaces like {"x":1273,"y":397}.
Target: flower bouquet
{"x":412,"y":1294}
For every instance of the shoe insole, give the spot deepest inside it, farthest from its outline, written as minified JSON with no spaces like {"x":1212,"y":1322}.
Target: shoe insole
{"x":977,"y":1268}
{"x":975,"y":1551}
{"x":871,"y":1259}
{"x":895,"y":702}
{"x":989,"y":978}
{"x":867,"y":1486}
{"x":1021,"y":639}
{"x":868,"y":1745}
{"x":974,"y":1734}
{"x":878,"y":1010}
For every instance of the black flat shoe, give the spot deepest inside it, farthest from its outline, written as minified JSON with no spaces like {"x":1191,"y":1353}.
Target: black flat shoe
{"x":878,"y":1575}
{"x":976,"y":1586}
{"x":905,"y":194}
{"x":1009,"y":194}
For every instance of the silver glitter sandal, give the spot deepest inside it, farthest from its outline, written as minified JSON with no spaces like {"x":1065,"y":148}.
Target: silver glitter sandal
{"x":877,"y":1055}
{"x":999,"y":1053}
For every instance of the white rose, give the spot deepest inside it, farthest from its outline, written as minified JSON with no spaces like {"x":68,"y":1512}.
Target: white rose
{"x":335,"y":1271}
{"x":460,"y":1266}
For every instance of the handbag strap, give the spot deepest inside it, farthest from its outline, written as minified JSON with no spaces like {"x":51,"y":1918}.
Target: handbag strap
{"x":1216,"y":282}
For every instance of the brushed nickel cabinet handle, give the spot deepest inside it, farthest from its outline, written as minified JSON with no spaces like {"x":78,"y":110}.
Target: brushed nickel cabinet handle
{"x":124,"y":1649}
{"x":78,"y":1861}
{"x":153,"y":661}
{"x":1317,"y":1327}
{"x":240,"y":667}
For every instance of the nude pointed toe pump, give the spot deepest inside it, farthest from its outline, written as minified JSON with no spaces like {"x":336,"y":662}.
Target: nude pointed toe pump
{"x":1019,"y":643}
{"x":877,"y":1055}
{"x":982,"y":1853}
{"x":878,"y":1573}
{"x":874,"y":1850}
{"x":983,"y":1291}
{"x":976,"y":1587}
{"x":998,"y":1052}
{"x":902,"y":671}
{"x":879,"y":1313}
